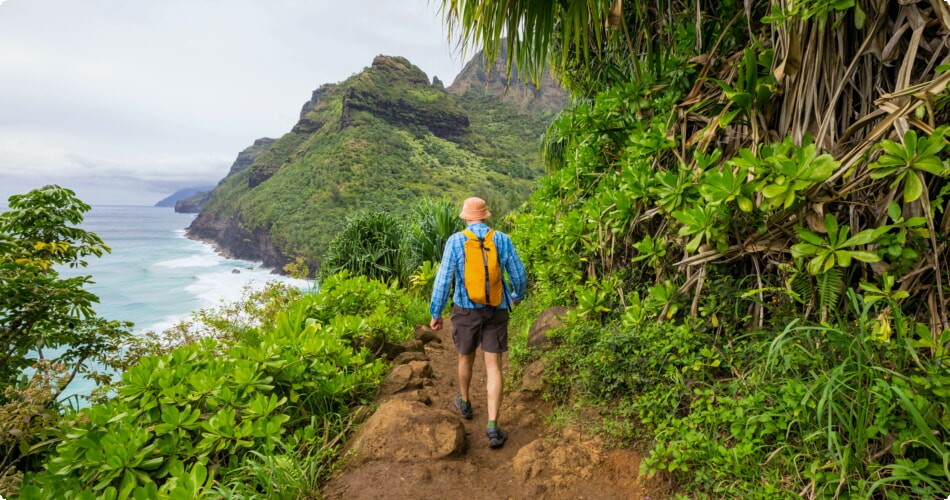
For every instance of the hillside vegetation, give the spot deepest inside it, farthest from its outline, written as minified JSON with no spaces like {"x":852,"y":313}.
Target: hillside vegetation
{"x":379,"y":141}
{"x":748,"y":207}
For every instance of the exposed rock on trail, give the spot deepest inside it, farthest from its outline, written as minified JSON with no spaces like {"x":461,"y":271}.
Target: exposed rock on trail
{"x":435,"y":433}
{"x":416,"y":446}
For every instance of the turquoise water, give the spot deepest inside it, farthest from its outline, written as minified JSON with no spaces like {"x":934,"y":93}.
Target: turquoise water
{"x":154,"y":276}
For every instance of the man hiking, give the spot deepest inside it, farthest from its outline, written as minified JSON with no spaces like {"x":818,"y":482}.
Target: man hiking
{"x":475,"y":260}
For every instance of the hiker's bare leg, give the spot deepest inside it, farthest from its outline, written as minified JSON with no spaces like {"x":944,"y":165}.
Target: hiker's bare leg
{"x":493,"y":370}
{"x":465,"y":373}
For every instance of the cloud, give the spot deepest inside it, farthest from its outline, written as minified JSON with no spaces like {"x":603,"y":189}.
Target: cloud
{"x":167,"y":93}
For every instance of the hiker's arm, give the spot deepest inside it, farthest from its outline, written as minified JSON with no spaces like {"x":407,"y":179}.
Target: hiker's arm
{"x":516,"y":273}
{"x":443,"y":281}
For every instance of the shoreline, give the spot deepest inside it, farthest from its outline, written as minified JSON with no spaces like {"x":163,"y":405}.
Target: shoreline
{"x":223,"y":251}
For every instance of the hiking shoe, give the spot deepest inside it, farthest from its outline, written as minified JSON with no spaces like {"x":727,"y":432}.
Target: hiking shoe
{"x":496,"y":437}
{"x":464,"y":408}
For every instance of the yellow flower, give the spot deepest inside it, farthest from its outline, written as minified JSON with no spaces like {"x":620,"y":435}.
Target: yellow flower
{"x":881,"y":327}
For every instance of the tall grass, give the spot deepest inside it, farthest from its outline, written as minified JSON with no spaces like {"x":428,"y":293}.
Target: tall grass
{"x":368,"y":246}
{"x":382,"y":247}
{"x":432,"y":222}
{"x":296,"y":472}
{"x":869,"y":420}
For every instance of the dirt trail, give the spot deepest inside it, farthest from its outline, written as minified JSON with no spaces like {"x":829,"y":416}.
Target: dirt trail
{"x":535,"y":462}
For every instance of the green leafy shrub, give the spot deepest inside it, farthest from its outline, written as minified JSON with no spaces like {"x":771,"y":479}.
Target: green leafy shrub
{"x":870,"y":416}
{"x":376,"y":313}
{"x":28,"y":418}
{"x":431,"y":224}
{"x":718,"y":195}
{"x":369,"y":245}
{"x":42,"y":313}
{"x":243,"y":416}
{"x":47,"y":323}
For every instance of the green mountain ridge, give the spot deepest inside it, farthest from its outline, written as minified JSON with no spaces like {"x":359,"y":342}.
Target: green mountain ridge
{"x":195,"y":202}
{"x":380,"y":140}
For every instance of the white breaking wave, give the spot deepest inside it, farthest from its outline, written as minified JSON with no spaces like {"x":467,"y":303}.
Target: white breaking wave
{"x":205,"y":260}
{"x":227,"y":286}
{"x":162,"y":325}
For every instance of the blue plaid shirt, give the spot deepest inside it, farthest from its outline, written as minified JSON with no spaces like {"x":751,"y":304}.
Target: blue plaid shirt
{"x":453,"y":266}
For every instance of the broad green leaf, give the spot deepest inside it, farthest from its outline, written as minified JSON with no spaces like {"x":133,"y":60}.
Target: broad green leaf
{"x":726,"y":119}
{"x":789,"y":199}
{"x":829,"y":262}
{"x":745,"y":204}
{"x":930,"y":147}
{"x":816,"y":265}
{"x":742,"y":99}
{"x":863,"y":238}
{"x":882,"y":172}
{"x":889,"y":161}
{"x":932,"y":165}
{"x":693,"y":244}
{"x":864,"y":256}
{"x":843,"y":257}
{"x":913,"y":188}
{"x":896,"y":150}
{"x":893,"y":211}
{"x":129,"y":483}
{"x":910,"y":142}
{"x":820,"y":168}
{"x":831,"y":224}
{"x":916,"y":221}
{"x":774,"y":190}
{"x":810,"y":237}
{"x":859,"y":17}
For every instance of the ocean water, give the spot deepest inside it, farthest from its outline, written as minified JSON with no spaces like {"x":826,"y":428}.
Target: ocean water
{"x":155,"y":276}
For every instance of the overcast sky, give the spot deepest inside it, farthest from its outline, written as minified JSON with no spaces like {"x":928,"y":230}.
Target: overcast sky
{"x":126,"y":101}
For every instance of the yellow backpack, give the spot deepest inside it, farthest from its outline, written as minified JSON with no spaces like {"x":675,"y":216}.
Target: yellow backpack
{"x":483,"y":280}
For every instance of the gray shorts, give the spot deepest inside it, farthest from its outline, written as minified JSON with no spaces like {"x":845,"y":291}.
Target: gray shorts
{"x":484,"y":326}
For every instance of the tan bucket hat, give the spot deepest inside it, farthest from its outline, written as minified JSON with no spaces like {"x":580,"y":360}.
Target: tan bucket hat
{"x":474,"y":209}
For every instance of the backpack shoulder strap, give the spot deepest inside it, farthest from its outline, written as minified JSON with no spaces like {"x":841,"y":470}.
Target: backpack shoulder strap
{"x":469,"y":234}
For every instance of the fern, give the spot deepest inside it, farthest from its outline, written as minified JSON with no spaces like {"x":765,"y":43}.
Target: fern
{"x":802,"y":287}
{"x":830,"y":284}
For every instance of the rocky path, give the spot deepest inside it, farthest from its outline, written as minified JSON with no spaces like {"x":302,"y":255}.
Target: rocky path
{"x":416,"y":446}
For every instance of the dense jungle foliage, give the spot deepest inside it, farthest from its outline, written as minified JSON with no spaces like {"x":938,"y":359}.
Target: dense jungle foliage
{"x":747,"y":203}
{"x":380,"y":141}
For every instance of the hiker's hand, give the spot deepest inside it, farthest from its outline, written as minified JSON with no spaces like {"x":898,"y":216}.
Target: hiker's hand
{"x":436,"y":324}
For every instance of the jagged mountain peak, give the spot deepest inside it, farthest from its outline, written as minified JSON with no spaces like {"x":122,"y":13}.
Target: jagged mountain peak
{"x":380,"y":140}
{"x":493,"y":78}
{"x":398,"y":68}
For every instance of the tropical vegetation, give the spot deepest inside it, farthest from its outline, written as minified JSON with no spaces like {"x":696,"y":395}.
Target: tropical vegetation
{"x":381,"y":247}
{"x":49,"y":332}
{"x":253,"y":399}
{"x":747,"y":205}
{"x":258,"y":413}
